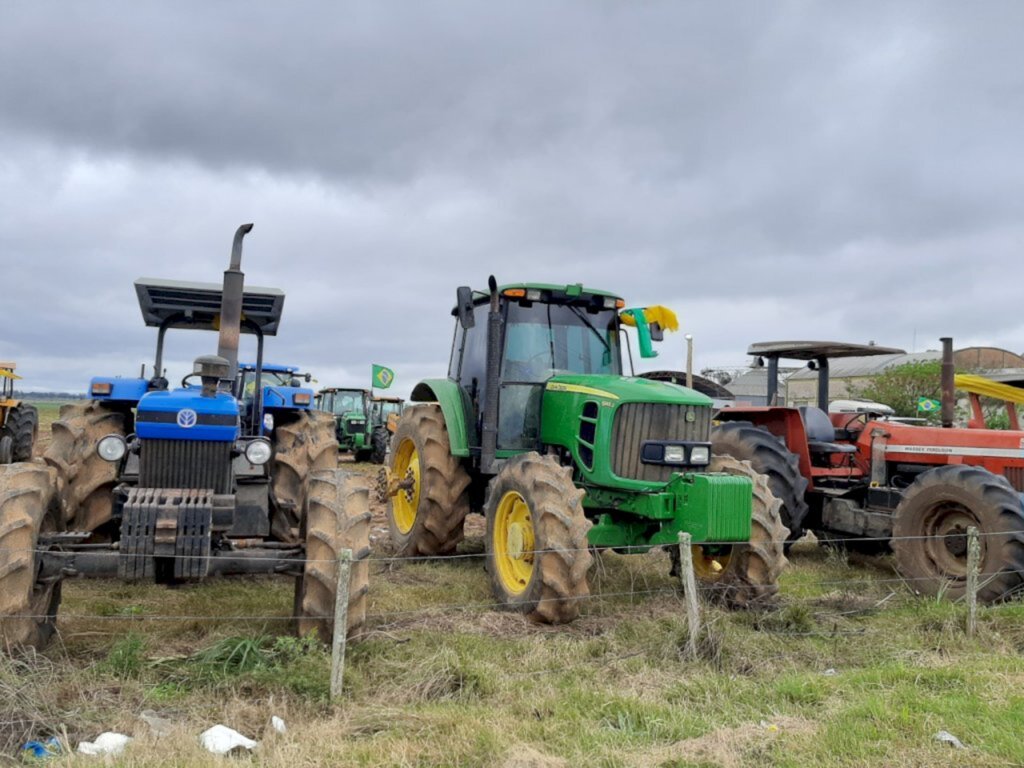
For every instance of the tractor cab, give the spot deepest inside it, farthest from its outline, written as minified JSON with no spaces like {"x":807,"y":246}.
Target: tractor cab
{"x":280,"y":386}
{"x":351,"y":410}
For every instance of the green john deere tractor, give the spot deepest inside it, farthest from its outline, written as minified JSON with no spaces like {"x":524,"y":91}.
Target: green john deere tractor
{"x":351,"y":409}
{"x":537,"y":424}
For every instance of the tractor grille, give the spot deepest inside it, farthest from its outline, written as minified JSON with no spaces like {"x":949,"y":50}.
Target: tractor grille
{"x":198,"y":464}
{"x":638,"y":422}
{"x":1016,"y":477}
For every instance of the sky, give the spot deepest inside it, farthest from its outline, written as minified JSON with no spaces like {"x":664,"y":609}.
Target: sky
{"x":850,"y":171}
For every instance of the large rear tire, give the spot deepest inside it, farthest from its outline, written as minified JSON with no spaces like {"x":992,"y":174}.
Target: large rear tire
{"x":745,"y":575}
{"x":337,"y":517}
{"x":538,"y":555}
{"x":84,"y":480}
{"x":770,"y":457}
{"x":304,"y":443}
{"x":427,"y":514}
{"x":23,"y":427}
{"x":28,"y":506}
{"x":930,"y":532}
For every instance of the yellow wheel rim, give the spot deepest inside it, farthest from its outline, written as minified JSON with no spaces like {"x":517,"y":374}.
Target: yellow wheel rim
{"x":709,"y":567}
{"x":513,"y":543}
{"x":405,"y":503}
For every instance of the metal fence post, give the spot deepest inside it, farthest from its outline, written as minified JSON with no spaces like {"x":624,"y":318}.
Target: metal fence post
{"x":340,"y":623}
{"x":973,"y":568}
{"x":690,"y":592}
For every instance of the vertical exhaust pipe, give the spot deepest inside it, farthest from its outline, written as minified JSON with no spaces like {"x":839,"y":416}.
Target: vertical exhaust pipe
{"x":948,"y":372}
{"x":489,"y":436}
{"x":231,"y":305}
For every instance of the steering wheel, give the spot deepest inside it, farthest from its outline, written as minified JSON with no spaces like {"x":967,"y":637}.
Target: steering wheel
{"x":184,"y":380}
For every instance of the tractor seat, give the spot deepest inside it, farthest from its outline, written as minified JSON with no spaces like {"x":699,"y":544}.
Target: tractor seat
{"x":821,"y":435}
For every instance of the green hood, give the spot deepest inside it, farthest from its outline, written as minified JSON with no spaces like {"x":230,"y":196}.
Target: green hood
{"x":625,"y":389}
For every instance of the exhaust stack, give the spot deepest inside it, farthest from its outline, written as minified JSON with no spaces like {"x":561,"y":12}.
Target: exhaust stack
{"x":948,"y":372}
{"x":231,"y":305}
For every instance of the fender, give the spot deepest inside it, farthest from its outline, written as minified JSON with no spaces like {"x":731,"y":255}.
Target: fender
{"x":456,"y":408}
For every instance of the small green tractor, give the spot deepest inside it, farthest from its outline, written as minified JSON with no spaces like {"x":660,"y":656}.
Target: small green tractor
{"x":538,"y":424}
{"x":19,"y":422}
{"x":361,"y":420}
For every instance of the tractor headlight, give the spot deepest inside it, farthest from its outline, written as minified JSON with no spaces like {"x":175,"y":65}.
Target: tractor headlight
{"x":674,"y":454}
{"x":700,"y":454}
{"x":268,"y":422}
{"x":112,"y":448}
{"x":258,"y":452}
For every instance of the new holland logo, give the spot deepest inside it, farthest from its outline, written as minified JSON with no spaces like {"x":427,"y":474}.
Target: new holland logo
{"x":187,"y":418}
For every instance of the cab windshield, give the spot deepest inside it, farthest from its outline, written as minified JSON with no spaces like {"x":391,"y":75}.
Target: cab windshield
{"x":267,"y":379}
{"x":544,"y":340}
{"x":345,"y":402}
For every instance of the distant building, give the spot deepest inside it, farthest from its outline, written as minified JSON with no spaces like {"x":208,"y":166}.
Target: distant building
{"x":751,"y":386}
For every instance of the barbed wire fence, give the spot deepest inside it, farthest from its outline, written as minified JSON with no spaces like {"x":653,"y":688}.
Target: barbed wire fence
{"x":694,"y":596}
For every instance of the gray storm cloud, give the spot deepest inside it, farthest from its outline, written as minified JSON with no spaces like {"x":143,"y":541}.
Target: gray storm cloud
{"x":768,"y":170}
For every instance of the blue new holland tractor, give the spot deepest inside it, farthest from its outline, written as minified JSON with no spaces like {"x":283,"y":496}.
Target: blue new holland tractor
{"x":232,"y":472}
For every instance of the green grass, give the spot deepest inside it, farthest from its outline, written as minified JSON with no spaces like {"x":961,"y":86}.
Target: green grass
{"x":863,"y":675}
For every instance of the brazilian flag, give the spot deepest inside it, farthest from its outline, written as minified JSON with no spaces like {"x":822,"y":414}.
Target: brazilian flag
{"x":928,"y":405}
{"x":382,"y":377}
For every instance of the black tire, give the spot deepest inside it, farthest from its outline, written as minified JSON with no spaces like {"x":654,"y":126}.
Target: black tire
{"x":23,"y":427}
{"x":381,"y":438}
{"x":550,"y":575}
{"x":28,"y":506}
{"x":749,"y":577}
{"x":929,"y":532}
{"x":85,"y":481}
{"x":337,"y":517}
{"x":428,"y":517}
{"x":303,"y":444}
{"x":770,"y":457}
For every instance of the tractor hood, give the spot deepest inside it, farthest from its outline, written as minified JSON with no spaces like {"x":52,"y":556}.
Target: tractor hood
{"x":613,"y":390}
{"x":184,"y":414}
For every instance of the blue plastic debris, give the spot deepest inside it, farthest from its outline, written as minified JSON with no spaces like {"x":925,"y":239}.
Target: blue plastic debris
{"x":42,"y":750}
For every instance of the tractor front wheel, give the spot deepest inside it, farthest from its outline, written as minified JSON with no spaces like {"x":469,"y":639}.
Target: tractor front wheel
{"x":337,"y":517}
{"x":745,"y":575}
{"x":428,"y":495}
{"x":28,"y":507}
{"x":304,"y":443}
{"x":929,"y":537}
{"x":85,"y":480}
{"x":537,"y":548}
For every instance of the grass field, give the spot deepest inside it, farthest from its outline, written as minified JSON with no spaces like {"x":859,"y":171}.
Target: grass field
{"x":851,"y":670}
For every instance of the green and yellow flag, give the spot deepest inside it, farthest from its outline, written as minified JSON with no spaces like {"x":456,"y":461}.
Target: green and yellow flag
{"x":928,"y":405}
{"x":382,"y":377}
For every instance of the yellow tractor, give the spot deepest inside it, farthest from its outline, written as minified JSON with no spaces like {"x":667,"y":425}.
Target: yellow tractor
{"x":19,"y":422}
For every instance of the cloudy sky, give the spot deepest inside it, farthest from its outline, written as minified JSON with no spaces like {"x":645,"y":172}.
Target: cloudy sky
{"x":769,"y":170}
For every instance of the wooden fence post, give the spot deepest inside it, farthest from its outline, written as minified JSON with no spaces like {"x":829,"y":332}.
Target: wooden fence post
{"x":973,"y":567}
{"x":689,"y":592}
{"x":340,"y":623}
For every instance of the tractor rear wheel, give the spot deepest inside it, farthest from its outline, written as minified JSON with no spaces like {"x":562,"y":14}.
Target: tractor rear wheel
{"x":337,"y":517}
{"x":427,"y":512}
{"x":769,"y":456}
{"x":304,"y":443}
{"x":381,"y":438}
{"x":23,"y":427}
{"x":744,"y":575}
{"x":84,"y":480}
{"x":537,"y":550}
{"x":28,"y":506}
{"x":930,"y":532}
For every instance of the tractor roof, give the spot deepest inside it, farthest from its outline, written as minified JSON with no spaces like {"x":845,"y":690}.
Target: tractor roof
{"x":269,"y":368}
{"x":198,"y":304}
{"x":571,"y":293}
{"x":341,"y":389}
{"x":386,"y":399}
{"x":812,"y":350}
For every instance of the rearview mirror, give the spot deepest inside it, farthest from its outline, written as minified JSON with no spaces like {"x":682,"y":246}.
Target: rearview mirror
{"x":464,"y":306}
{"x":657,"y":332}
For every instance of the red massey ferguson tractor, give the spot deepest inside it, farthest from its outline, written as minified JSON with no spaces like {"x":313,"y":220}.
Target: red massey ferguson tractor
{"x":872,"y":484}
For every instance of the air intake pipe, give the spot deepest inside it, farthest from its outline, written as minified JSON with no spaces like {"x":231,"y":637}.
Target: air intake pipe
{"x":489,"y":426}
{"x":231,"y":305}
{"x":948,"y":390}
